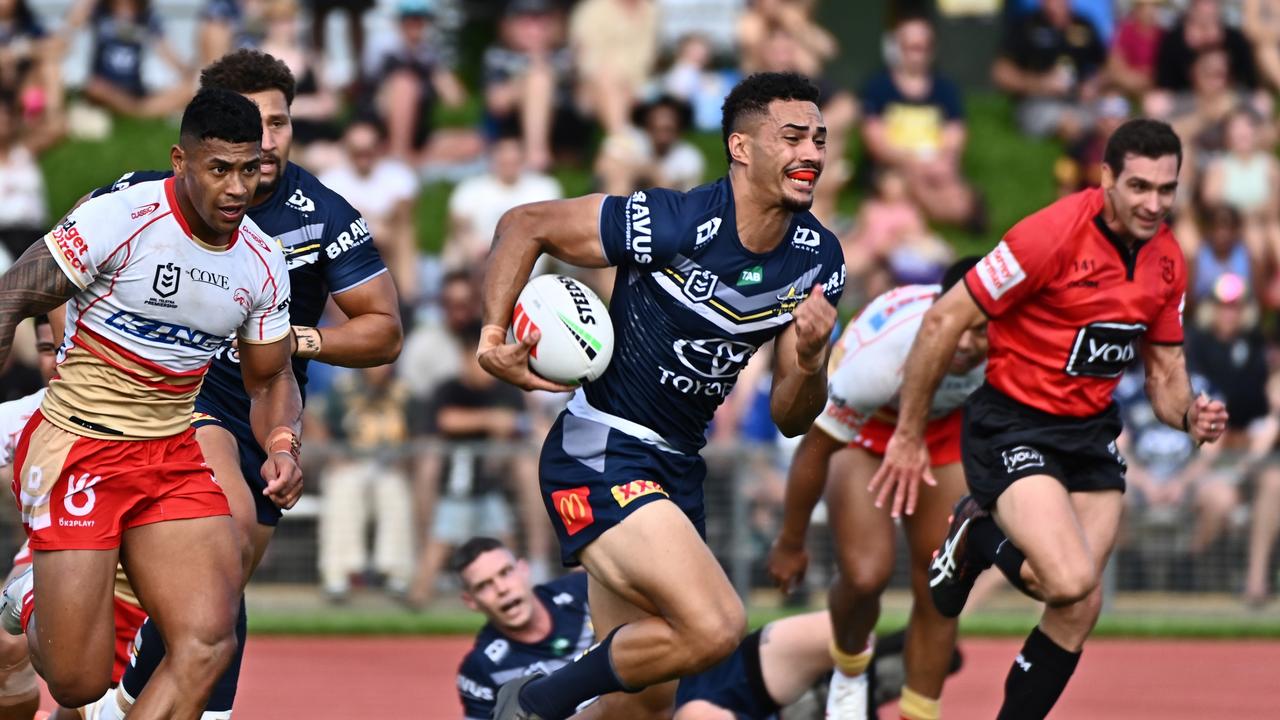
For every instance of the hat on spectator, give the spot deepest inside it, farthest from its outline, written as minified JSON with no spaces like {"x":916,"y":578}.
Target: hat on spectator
{"x":416,"y":8}
{"x":530,"y":7}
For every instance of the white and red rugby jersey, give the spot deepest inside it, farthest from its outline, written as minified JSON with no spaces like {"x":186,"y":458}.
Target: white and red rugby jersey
{"x":155,"y":304}
{"x":864,"y":374}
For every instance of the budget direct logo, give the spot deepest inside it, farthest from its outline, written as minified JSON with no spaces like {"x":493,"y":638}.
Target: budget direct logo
{"x":574,"y":508}
{"x":626,"y":492}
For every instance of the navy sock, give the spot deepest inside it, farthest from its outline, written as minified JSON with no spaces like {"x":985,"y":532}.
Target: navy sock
{"x":1037,"y":678}
{"x":148,"y":652}
{"x":988,"y":542}
{"x":151,"y":650}
{"x":556,"y":696}
{"x":224,"y":691}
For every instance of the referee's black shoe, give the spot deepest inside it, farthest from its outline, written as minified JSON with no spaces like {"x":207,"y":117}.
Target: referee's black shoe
{"x":954,"y":569}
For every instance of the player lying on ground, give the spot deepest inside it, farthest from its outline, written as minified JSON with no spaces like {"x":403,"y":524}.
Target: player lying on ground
{"x":842,"y":451}
{"x":620,"y":471}
{"x":539,"y":628}
{"x":109,"y":468}
{"x":1073,"y":294}
{"x":330,"y":253}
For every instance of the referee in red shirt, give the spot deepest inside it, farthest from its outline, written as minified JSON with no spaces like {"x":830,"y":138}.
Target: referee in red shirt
{"x":1073,"y":294}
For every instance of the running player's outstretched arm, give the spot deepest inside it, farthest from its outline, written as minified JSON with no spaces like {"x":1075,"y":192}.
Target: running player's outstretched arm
{"x":35,"y":284}
{"x":800,"y":365}
{"x":1169,"y":389}
{"x":906,"y":458}
{"x":275,"y":414}
{"x":568,"y":230}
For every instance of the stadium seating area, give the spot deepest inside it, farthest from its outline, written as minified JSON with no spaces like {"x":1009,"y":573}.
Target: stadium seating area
{"x":434,"y":116}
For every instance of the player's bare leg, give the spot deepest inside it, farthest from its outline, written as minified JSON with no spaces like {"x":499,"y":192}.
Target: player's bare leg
{"x":187,"y":574}
{"x":1067,"y":540}
{"x":931,"y":637}
{"x":864,"y":544}
{"x":19,"y":689}
{"x":794,"y":653}
{"x":680,"y":611}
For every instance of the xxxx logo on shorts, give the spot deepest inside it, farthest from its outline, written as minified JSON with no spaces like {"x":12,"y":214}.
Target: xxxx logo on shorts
{"x":627,"y":492}
{"x":574,"y":508}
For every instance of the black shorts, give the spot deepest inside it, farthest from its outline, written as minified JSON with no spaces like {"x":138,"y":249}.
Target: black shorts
{"x":1004,"y":440}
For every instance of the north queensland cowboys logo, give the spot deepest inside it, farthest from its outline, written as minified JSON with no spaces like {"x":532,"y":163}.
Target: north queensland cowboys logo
{"x":166,"y":280}
{"x":700,"y":285}
{"x":714,"y":358}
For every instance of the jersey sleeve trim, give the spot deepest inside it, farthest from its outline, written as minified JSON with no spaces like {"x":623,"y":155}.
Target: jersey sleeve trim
{"x":358,"y":283}
{"x":976,"y":299}
{"x":66,"y":268}
{"x":1169,"y":343}
{"x":604,"y":247}
{"x":268,"y":341}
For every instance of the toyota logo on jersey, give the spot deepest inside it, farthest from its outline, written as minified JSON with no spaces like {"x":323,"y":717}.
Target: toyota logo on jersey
{"x":714,"y":358}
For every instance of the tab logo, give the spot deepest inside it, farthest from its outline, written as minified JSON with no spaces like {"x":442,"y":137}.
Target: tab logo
{"x":751,"y":276}
{"x":625,"y":493}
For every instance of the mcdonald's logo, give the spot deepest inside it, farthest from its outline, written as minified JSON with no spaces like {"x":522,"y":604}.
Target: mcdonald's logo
{"x":623,"y":494}
{"x":574,"y":508}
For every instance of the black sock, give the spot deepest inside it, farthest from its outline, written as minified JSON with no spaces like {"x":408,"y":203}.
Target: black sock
{"x":148,"y":652}
{"x":1037,"y":678}
{"x":556,"y":696}
{"x":224,"y":691}
{"x":988,"y":542}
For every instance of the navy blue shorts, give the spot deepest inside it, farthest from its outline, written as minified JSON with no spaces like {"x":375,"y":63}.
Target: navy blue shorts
{"x":736,"y":684}
{"x":593,"y":476}
{"x":252,"y":455}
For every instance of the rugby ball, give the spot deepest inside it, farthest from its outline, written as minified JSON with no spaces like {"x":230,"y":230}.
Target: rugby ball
{"x":577,"y":334}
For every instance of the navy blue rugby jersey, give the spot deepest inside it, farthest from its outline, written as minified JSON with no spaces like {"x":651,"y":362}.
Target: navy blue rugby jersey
{"x":329,"y":250}
{"x":496,"y":659}
{"x":691,"y":305}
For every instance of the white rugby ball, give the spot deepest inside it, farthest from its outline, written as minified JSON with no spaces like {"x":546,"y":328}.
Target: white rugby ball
{"x":577,"y":334}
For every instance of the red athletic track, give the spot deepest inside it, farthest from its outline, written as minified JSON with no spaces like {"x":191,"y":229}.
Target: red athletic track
{"x":413,"y":678}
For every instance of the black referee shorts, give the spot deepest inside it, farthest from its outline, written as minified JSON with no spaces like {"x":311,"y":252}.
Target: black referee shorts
{"x":1004,"y":440}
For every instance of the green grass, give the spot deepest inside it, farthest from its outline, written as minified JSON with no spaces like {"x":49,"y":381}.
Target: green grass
{"x":459,"y":622}
{"x":1013,"y":172}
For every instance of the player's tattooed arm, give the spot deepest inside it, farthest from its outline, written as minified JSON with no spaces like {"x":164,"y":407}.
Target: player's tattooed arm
{"x":33,"y":285}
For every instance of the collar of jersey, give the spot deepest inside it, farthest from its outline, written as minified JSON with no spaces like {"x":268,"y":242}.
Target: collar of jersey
{"x":182,"y":223}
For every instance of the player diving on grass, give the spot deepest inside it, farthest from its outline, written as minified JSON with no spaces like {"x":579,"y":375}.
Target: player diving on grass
{"x":704,"y":279}
{"x":330,"y":254}
{"x":1072,"y":295}
{"x":841,"y":452}
{"x":109,"y":469}
{"x":540,"y":628}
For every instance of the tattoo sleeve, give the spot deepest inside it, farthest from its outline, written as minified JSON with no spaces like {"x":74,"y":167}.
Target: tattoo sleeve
{"x":34,"y":284}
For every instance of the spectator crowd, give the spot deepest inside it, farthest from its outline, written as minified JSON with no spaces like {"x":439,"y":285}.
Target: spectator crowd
{"x":628,"y":93}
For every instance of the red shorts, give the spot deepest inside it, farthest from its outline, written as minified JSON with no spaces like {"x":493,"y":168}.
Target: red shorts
{"x":79,"y":493}
{"x":941,"y":435}
{"x":128,"y":618}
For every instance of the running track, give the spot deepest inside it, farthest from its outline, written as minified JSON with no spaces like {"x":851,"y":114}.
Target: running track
{"x":332,"y":678}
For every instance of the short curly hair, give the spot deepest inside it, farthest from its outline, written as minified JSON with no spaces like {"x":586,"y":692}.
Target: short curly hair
{"x":250,"y":71}
{"x":217,"y":114}
{"x":751,"y":97}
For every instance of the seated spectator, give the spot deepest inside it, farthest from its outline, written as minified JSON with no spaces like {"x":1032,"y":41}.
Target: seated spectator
{"x":615,"y":47}
{"x":433,"y":348}
{"x":1200,"y":30}
{"x":1051,"y":60}
{"x":315,"y":105}
{"x":1131,"y":62}
{"x":529,"y":84}
{"x":24,"y":216}
{"x":659,"y":155}
{"x":366,"y":481}
{"x":469,"y":478}
{"x":1223,"y":252}
{"x":815,"y":47}
{"x":29,"y":61}
{"x":693,"y":79}
{"x":477,"y":203}
{"x":227,"y":25}
{"x":122,"y":30}
{"x":915,"y":124}
{"x":1168,"y":478}
{"x":384,"y":190}
{"x":354,"y":11}
{"x":1080,"y":166}
{"x":715,"y":21}
{"x":1261,"y":26}
{"x":407,"y":77}
{"x":1246,"y":178}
